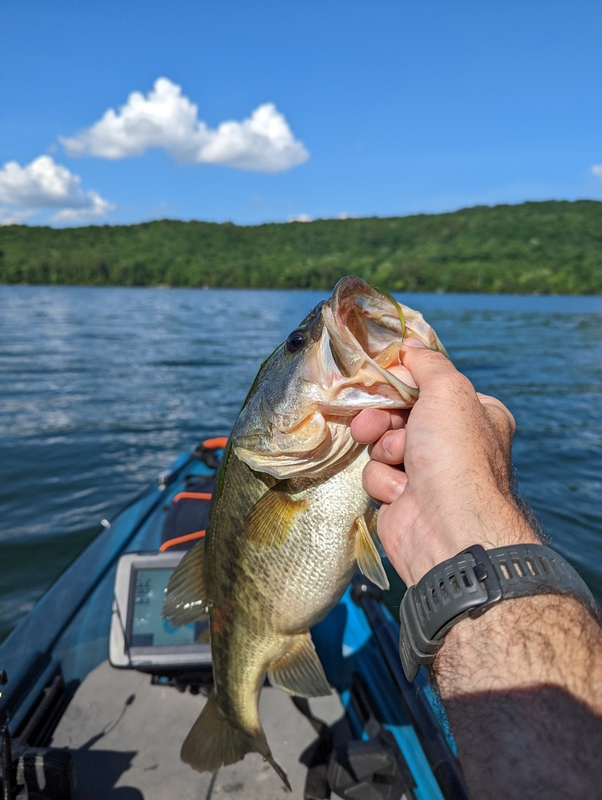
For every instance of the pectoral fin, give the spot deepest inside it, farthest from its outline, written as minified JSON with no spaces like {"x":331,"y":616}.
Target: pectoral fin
{"x":366,"y":555}
{"x":299,"y":670}
{"x":271,"y":518}
{"x":186,"y":595}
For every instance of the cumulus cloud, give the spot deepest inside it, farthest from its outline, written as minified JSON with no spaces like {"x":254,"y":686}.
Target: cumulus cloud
{"x":45,"y":184}
{"x":166,"y":118}
{"x":300,"y":218}
{"x":597,"y":170}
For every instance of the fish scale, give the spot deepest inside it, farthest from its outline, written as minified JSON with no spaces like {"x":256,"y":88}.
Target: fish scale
{"x":324,"y":562}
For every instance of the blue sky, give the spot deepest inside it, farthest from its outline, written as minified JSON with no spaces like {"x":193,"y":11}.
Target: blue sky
{"x":336,"y":107}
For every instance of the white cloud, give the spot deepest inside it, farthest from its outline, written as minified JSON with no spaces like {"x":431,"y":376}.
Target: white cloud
{"x":597,"y":170}
{"x":13,"y":216}
{"x":166,"y":118}
{"x":46,"y":184}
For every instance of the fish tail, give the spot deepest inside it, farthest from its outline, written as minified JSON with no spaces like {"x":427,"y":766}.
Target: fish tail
{"x":214,"y":742}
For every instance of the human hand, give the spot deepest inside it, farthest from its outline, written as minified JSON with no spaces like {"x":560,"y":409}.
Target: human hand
{"x":456,"y":489}
{"x":534,"y":664}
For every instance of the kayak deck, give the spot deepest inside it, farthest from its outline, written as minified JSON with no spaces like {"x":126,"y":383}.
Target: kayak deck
{"x":125,"y":734}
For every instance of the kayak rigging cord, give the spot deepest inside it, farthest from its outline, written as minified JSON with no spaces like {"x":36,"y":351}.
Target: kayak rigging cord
{"x":189,"y":537}
{"x":191,"y":496}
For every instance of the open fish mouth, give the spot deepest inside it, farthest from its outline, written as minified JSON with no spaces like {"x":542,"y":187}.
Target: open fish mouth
{"x":337,"y":362}
{"x":366,"y":330}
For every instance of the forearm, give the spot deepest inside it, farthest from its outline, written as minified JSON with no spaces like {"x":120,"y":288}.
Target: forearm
{"x":522,"y":686}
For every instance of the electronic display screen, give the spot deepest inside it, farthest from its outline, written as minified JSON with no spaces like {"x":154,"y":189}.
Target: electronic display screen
{"x":147,"y":627}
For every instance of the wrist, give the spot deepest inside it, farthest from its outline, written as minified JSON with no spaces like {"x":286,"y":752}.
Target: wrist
{"x":442,"y":532}
{"x":496,"y":523}
{"x":472,"y":583}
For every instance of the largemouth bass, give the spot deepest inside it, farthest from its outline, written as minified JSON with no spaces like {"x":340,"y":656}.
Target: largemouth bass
{"x":289,"y":519}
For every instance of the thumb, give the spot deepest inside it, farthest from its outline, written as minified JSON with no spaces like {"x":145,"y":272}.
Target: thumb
{"x":424,"y":364}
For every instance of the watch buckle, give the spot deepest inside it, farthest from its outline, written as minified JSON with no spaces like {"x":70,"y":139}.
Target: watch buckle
{"x":484,"y":572}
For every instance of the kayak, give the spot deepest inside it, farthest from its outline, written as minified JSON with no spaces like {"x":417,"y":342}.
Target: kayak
{"x":98,"y":692}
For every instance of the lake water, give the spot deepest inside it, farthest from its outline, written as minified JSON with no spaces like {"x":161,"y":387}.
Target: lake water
{"x":100,"y":388}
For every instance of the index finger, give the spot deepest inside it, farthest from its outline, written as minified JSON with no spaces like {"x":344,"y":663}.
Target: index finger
{"x":371,"y":423}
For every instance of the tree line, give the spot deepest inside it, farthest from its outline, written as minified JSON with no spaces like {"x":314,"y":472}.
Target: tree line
{"x":548,"y":247}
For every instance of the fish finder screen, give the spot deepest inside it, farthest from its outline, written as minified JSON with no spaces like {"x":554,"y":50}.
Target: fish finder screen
{"x":148,"y":628}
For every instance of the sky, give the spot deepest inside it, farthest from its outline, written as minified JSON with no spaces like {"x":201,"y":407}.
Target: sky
{"x":269,"y":110}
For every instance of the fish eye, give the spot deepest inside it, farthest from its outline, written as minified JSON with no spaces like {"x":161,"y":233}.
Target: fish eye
{"x":295,"y":341}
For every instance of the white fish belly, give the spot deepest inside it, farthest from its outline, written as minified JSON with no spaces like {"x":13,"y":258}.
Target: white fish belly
{"x":319,"y":554}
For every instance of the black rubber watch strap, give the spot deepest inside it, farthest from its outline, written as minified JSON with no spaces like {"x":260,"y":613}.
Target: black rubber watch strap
{"x":472,"y":582}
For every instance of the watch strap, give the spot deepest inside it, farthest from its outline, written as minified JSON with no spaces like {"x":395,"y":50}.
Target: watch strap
{"x":470,"y":583}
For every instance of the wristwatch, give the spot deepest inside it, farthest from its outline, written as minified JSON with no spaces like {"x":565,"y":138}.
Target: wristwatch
{"x":472,"y":582}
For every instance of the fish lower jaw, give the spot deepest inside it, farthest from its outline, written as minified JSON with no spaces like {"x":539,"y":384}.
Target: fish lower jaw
{"x":344,"y":402}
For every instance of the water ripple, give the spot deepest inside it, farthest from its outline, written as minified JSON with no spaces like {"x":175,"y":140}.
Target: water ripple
{"x":100,"y":388}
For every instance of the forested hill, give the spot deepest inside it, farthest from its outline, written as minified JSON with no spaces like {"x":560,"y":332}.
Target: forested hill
{"x":553,"y":247}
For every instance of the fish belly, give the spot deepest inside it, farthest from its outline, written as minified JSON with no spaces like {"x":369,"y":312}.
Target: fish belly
{"x":318,"y":557}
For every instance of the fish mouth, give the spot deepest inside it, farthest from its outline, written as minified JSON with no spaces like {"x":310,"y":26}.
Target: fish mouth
{"x":295,"y":422}
{"x":366,"y":329}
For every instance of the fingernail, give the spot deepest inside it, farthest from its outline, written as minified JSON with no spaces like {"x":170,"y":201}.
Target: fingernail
{"x":386,"y":448}
{"x":399,"y":488}
{"x":414,"y":343}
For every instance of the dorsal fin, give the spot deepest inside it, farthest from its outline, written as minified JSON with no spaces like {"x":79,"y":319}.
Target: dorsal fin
{"x":186,"y":594}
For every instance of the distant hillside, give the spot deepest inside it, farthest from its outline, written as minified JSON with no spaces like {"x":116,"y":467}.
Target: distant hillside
{"x":552,"y":247}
